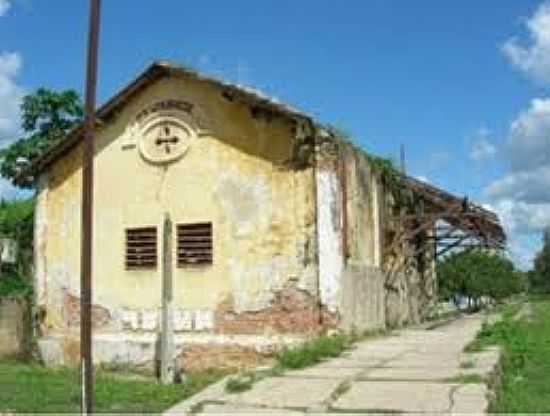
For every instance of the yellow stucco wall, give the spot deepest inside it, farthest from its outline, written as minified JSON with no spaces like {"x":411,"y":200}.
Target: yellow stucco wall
{"x":235,"y":177}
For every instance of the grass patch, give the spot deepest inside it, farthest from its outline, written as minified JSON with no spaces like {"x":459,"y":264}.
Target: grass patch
{"x":525,"y":383}
{"x":32,"y":388}
{"x":493,"y":334}
{"x":314,"y":352}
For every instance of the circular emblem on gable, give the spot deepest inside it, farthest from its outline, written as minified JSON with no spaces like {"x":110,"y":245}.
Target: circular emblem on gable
{"x":165,"y":139}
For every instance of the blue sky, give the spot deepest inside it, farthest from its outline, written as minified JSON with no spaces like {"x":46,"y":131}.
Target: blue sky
{"x":450,"y":80}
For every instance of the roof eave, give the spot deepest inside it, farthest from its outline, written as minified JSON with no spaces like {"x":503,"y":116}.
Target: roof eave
{"x":155,"y":71}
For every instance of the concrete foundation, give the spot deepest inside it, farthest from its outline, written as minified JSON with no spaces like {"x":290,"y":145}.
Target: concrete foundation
{"x":14,"y":328}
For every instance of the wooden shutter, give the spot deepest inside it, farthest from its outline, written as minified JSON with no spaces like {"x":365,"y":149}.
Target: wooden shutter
{"x":141,"y":248}
{"x":194,"y":244}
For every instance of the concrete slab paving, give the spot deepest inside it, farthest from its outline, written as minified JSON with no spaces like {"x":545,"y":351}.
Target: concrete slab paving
{"x":350,"y":363}
{"x":326,"y":372}
{"x":376,"y":355}
{"x":485,"y":359}
{"x":396,"y":397}
{"x":470,"y":398}
{"x":426,"y":361}
{"x":287,"y":392}
{"x":224,"y":409}
{"x":212,"y":393}
{"x":412,"y":371}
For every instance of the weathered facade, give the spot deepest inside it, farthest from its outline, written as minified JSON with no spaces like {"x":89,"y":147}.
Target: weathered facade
{"x":277,"y":229}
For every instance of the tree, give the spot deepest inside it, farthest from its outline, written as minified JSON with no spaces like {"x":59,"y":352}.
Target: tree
{"x":17,"y":221}
{"x":47,"y":116}
{"x":475,"y":274}
{"x":539,"y":278}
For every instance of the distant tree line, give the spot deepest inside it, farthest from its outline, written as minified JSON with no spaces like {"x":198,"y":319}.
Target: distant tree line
{"x":477,"y":277}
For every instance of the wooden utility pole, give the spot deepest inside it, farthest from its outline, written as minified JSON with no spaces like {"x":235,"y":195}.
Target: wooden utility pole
{"x":86,"y":361}
{"x":167,"y":372}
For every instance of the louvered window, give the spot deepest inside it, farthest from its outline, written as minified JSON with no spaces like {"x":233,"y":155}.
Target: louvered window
{"x":141,"y":248}
{"x":194,"y":244}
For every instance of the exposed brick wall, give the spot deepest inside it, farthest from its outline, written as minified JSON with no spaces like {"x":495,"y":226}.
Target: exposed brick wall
{"x":202,"y":357}
{"x":71,"y":308}
{"x":292,"y":312}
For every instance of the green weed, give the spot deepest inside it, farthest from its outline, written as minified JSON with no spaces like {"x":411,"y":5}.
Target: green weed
{"x":240,"y":383}
{"x":313,"y":352}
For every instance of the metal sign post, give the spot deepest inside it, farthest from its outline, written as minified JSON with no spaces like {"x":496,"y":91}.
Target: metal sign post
{"x":86,"y":361}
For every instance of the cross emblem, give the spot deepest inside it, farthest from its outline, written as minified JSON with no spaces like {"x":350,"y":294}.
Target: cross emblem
{"x":166,"y":139}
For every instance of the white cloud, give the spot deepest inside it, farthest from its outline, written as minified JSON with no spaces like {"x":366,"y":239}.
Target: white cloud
{"x":10,"y":99}
{"x":522,"y":218}
{"x":523,"y":249}
{"x":531,"y":186}
{"x":10,"y":95}
{"x":521,"y":196}
{"x":533,"y":56}
{"x":4,"y":7}
{"x":528,"y":144}
{"x":482,"y":148}
{"x":523,"y":224}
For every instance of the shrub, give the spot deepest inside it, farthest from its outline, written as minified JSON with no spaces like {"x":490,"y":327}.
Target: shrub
{"x":14,"y":286}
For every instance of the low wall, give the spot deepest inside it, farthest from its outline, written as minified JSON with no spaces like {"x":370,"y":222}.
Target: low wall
{"x":410,"y":297}
{"x":14,"y":327}
{"x":362,"y":298}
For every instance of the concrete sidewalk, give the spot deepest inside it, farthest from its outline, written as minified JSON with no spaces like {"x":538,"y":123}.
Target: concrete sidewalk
{"x":415,"y":370}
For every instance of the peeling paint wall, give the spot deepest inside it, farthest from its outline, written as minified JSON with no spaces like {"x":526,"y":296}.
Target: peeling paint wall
{"x":40,"y":240}
{"x":363,"y":291}
{"x":329,"y":223}
{"x":355,"y":218}
{"x":350,"y":277}
{"x":240,"y":173}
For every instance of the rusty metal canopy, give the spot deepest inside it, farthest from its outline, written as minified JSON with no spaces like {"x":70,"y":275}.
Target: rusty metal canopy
{"x":456,"y":222}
